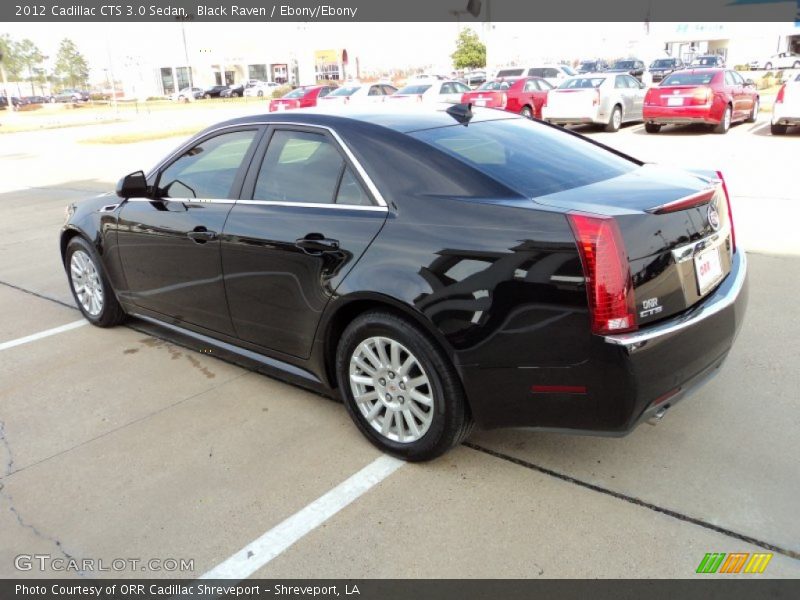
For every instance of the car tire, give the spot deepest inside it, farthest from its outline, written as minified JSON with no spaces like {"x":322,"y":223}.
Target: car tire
{"x":768,"y":66}
{"x":652,"y":127}
{"x":207,"y":96}
{"x":235,"y":94}
{"x":796,"y":64}
{"x":615,"y":121}
{"x":754,"y":112}
{"x":433,"y":416}
{"x":725,"y":123}
{"x":260,"y":93}
{"x":526,"y":112}
{"x":89,"y":284}
{"x":776,"y":129}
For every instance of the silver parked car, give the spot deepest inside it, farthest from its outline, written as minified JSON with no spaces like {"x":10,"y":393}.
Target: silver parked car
{"x":608,"y":99}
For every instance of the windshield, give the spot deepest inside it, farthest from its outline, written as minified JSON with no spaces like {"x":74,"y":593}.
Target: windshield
{"x":705,"y":61}
{"x":681,"y":78}
{"x":581,"y":82}
{"x":496,"y":85}
{"x":298,"y":93}
{"x":568,"y":70}
{"x":662,"y":62}
{"x":414,"y":89}
{"x":526,"y":156}
{"x":344,"y":91}
{"x":624,"y":64}
{"x":588,"y":65}
{"x":509,"y":73}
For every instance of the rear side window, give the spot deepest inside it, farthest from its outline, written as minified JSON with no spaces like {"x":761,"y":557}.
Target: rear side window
{"x":582,"y":82}
{"x":531,"y":158}
{"x":299,"y":167}
{"x":509,"y":73}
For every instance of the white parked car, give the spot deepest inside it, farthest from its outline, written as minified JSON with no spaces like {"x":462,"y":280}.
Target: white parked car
{"x":607,"y":98}
{"x":553,"y":74}
{"x":358,"y":93}
{"x":786,"y":109}
{"x":260,"y":88}
{"x":784,"y":60}
{"x":431,"y":91}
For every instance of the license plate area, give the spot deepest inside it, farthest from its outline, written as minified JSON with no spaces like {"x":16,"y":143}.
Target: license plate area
{"x":707,"y":269}
{"x":674,"y":101}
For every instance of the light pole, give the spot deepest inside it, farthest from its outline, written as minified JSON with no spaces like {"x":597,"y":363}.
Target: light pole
{"x":183,"y":19}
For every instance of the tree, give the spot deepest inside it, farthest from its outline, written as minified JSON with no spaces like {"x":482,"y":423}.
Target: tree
{"x":10,"y":51}
{"x":30,"y":57}
{"x":470,"y":51}
{"x":71,"y":66}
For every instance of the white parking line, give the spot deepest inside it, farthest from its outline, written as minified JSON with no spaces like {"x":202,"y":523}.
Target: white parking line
{"x":42,"y":334}
{"x":258,"y":553}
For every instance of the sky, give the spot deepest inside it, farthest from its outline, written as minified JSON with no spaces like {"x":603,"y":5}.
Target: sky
{"x":379,"y":46}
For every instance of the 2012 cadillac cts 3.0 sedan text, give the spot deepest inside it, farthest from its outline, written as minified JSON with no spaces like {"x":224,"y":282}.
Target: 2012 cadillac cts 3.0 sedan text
{"x":436,"y":266}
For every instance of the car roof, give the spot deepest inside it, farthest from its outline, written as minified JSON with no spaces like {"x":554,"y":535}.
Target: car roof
{"x":403,"y":119}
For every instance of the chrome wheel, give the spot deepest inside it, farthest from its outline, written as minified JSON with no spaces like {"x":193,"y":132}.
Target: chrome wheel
{"x":86,"y":282}
{"x":727,"y":119}
{"x":391,"y":389}
{"x":617,"y":118}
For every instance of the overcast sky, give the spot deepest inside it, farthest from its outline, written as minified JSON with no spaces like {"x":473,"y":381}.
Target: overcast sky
{"x":377,"y":45}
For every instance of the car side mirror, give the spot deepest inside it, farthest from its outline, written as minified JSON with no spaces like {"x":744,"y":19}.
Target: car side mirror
{"x":132,"y":185}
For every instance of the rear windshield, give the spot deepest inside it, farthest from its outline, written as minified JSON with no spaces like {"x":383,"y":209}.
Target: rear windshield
{"x":581,"y":82}
{"x":705,"y":61}
{"x":510,"y":72}
{"x":298,"y":93}
{"x":589,"y":65}
{"x":345,"y":91}
{"x":414,"y":89}
{"x":496,"y":85}
{"x":529,"y":157}
{"x":663,"y":62}
{"x":687,"y":78}
{"x":568,"y":70}
{"x":624,"y":64}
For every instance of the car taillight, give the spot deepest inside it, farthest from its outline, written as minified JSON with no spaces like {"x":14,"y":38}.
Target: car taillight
{"x":609,"y":287}
{"x":702,"y":95}
{"x":779,"y":97}
{"x":503,"y":100}
{"x":730,"y":211}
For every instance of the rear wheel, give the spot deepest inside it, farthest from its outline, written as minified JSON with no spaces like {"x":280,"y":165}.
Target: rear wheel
{"x":615,"y":121}
{"x":652,"y":127}
{"x":526,"y":112}
{"x":754,"y":113}
{"x":206,"y":96}
{"x":90,"y":286}
{"x":768,"y":66}
{"x":725,"y":123}
{"x":796,"y":64}
{"x":777,"y":129}
{"x":260,"y":93}
{"x":399,"y":388}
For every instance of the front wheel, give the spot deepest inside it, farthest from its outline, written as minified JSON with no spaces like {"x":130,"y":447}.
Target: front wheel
{"x":206,"y":96}
{"x":90,"y":286}
{"x":776,"y":129}
{"x":526,"y":112}
{"x":768,"y":66}
{"x":652,"y":127}
{"x":754,"y":113}
{"x":796,"y":64}
{"x":725,"y":123}
{"x":260,"y":93}
{"x":615,"y":121}
{"x":399,"y":388}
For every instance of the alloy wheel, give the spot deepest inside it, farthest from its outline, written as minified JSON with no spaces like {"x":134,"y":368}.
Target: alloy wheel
{"x":391,"y":389}
{"x":86,"y":283}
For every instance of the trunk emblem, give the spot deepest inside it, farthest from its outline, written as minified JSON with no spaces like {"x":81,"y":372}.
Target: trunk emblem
{"x":713,"y":217}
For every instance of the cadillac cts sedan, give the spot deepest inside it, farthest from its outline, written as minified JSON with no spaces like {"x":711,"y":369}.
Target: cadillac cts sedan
{"x":434,"y":267}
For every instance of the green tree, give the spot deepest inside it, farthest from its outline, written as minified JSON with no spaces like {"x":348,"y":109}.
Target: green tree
{"x":30,"y":58}
{"x":9,"y":48}
{"x":470,"y":51}
{"x":71,"y":67}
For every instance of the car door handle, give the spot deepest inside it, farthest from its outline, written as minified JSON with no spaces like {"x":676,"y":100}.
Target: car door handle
{"x":316,"y":243}
{"x":201,"y":235}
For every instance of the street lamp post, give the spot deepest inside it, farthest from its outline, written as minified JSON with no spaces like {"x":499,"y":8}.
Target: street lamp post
{"x":183,"y":19}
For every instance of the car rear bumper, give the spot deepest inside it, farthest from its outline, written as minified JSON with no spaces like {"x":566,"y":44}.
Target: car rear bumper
{"x":679,"y":115}
{"x":627,"y":378}
{"x":781,"y":116}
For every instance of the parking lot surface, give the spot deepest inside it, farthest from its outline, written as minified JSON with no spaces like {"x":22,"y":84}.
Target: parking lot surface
{"x":126,"y":443}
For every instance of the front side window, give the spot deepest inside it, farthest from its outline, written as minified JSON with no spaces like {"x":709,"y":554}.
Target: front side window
{"x":299,"y":167}
{"x":208,"y":170}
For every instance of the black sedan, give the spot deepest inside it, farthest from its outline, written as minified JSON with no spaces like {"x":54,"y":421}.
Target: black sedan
{"x":433,"y":267}
{"x":233,"y":91}
{"x":214,"y":91}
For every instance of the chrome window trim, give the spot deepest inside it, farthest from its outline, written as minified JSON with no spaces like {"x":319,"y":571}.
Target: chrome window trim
{"x":345,"y":148}
{"x":372,"y":208}
{"x":689,"y":251}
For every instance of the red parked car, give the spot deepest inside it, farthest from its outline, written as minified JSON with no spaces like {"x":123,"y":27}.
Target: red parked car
{"x":523,"y":95}
{"x":302,"y":97}
{"x":716,"y":97}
